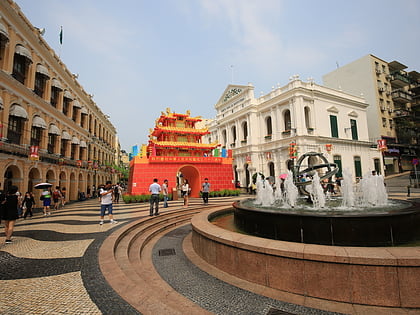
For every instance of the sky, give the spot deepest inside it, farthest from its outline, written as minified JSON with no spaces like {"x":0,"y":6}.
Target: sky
{"x":139,"y":57}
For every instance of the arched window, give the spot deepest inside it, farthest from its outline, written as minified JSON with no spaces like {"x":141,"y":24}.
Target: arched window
{"x":224,"y":137}
{"x":287,"y":120}
{"x":308,"y":117}
{"x":233,"y":134}
{"x":269,"y":126}
{"x":21,"y":61}
{"x":245,"y":130}
{"x":271,"y":169}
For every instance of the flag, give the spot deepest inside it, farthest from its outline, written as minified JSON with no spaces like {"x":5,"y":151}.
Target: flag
{"x":61,"y":36}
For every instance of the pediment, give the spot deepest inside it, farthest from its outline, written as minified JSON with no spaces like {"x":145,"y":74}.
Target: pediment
{"x":332,"y":109}
{"x":233,"y":92}
{"x":353,"y":114}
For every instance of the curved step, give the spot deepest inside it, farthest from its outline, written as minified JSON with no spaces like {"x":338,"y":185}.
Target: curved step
{"x":125,"y":259}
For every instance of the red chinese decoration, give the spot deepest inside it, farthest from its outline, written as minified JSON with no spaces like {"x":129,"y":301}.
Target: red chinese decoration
{"x":382,"y":145}
{"x":34,"y":155}
{"x":328,"y":147}
{"x":293,"y":150}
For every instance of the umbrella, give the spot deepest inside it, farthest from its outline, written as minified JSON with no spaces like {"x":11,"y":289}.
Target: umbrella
{"x":283,"y":176}
{"x":42,"y":185}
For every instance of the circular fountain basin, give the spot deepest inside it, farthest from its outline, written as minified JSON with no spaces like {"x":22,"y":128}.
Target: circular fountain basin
{"x":392,"y":225}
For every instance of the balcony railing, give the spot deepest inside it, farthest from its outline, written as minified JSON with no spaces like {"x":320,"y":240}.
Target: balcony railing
{"x":401,"y":97}
{"x":399,"y":79}
{"x":44,"y":156}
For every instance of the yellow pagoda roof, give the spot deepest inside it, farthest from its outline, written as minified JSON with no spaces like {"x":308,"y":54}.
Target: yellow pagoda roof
{"x":160,"y":129}
{"x":185,"y":144}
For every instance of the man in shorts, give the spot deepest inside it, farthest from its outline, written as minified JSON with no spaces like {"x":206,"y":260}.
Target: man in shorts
{"x":106,"y":193}
{"x":56,"y":197}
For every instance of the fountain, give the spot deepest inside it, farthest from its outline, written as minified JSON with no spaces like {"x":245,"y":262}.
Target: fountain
{"x":362,"y":216}
{"x":317,"y":250}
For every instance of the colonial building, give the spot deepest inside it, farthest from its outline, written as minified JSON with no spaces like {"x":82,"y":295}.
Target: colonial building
{"x":175,"y":152}
{"x":269,"y":132}
{"x":393,"y":95}
{"x":51,"y":129}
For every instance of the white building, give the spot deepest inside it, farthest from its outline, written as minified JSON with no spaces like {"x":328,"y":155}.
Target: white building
{"x":318,"y":119}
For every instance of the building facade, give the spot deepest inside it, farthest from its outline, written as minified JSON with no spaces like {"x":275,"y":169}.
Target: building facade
{"x":176,"y":152}
{"x":51,"y":129}
{"x":393,"y":97}
{"x":268,"y":133}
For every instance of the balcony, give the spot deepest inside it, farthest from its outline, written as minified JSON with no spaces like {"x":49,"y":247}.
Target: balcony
{"x":401,"y":97}
{"x":399,"y":80}
{"x":401,"y":113}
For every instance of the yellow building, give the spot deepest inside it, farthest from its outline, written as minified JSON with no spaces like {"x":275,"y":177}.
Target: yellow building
{"x":50,"y":128}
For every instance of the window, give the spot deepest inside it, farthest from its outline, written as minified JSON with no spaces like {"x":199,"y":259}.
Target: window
{"x":63,"y":150}
{"x":224,"y":137}
{"x":55,"y":92}
{"x":75,"y":113}
{"x":271,"y":169}
{"x":66,"y":105}
{"x":234,"y":133}
{"x":307,"y":117}
{"x":383,"y":122}
{"x":337,"y":160}
{"x":357,"y":166}
{"x":36,"y":135}
{"x":287,"y":120}
{"x":14,"y":131}
{"x":20,"y":65}
{"x":40,"y":80}
{"x":269,"y":126}
{"x":51,"y":143}
{"x":353,"y":125}
{"x":377,"y":164}
{"x":245,"y":130}
{"x":334,"y":126}
{"x":390,"y":123}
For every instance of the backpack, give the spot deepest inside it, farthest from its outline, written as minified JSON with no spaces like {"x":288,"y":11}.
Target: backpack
{"x":56,"y":194}
{"x":116,"y":190}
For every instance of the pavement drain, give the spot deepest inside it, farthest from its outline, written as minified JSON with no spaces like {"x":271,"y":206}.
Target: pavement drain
{"x":274,"y":311}
{"x":167,"y":252}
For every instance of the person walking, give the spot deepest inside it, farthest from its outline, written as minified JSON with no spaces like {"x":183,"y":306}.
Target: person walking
{"x":117,"y":193}
{"x":154,"y":189}
{"x":165,"y":191}
{"x":63,"y":196}
{"x":205,"y":191}
{"x":28,"y":203}
{"x":9,"y":212}
{"x":46,"y":201}
{"x":185,"y":190}
{"x":105,"y":194}
{"x":56,"y":195}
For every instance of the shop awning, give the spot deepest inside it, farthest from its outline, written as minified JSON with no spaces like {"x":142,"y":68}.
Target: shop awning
{"x":42,"y":69}
{"x":56,"y":84}
{"x":18,"y":111}
{"x":3,"y":30}
{"x":39,"y":122}
{"x":83,"y":144}
{"x":75,"y":140}
{"x":65,"y":136}
{"x":20,"y":50}
{"x":54,"y":130}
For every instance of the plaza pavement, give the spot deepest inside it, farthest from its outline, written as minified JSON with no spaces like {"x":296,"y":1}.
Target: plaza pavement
{"x":52,"y":266}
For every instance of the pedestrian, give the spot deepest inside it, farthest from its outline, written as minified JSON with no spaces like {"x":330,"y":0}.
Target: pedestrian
{"x":165,"y":191}
{"x":88,"y":192}
{"x":63,"y":196}
{"x":19,"y":206}
{"x":105,"y":194}
{"x":154,"y":189}
{"x":93,"y":191}
{"x":46,"y":201}
{"x":185,"y":190}
{"x":9,"y":212}
{"x":116,"y":193}
{"x":205,"y":191}
{"x":28,"y":203}
{"x":56,"y":195}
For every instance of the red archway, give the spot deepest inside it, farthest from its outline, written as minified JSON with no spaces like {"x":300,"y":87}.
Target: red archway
{"x":193,"y":175}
